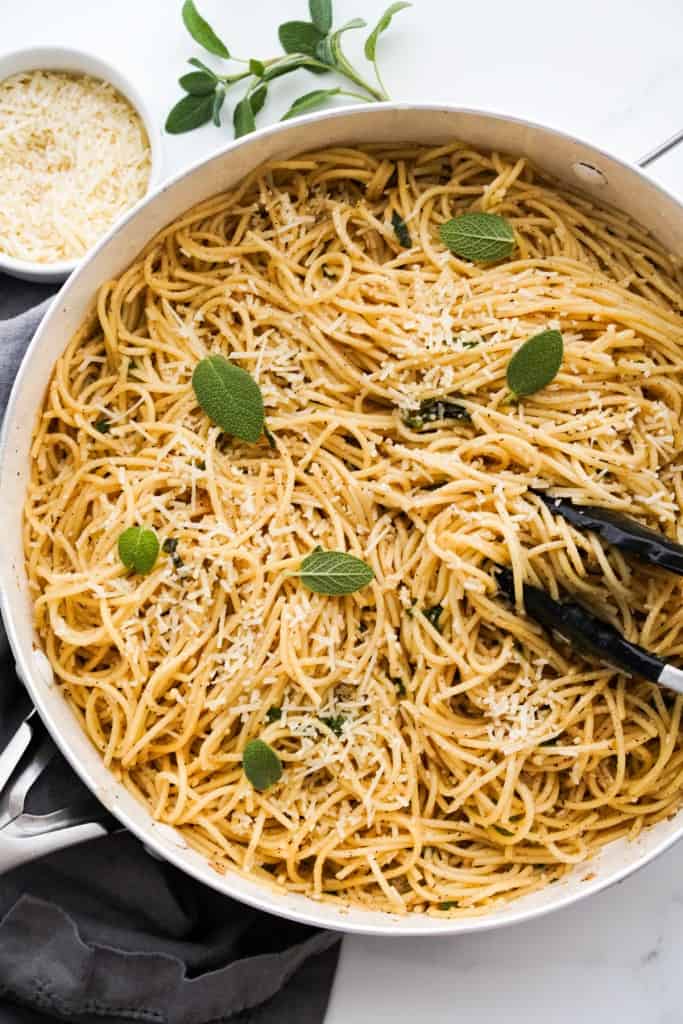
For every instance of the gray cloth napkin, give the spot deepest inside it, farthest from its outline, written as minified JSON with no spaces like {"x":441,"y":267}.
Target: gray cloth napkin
{"x":104,"y":932}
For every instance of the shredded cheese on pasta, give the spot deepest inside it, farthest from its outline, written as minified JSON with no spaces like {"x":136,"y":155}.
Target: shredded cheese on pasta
{"x":470,"y":763}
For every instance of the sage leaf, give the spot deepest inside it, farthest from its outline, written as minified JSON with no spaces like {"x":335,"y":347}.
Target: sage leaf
{"x":334,"y":572}
{"x":103,"y":425}
{"x":258,"y":97}
{"x":535,"y":364}
{"x":257,"y":67}
{"x":218,"y":101}
{"x":292,"y":63}
{"x":138,"y":549}
{"x":329,"y":49}
{"x":243,"y":118}
{"x":479,"y":237}
{"x":201,"y":31}
{"x":198,"y":83}
{"x":353,"y":23}
{"x":274,"y":713}
{"x":197,"y":63}
{"x":333,"y":722}
{"x":432,"y":615}
{"x":401,"y":230}
{"x":189,"y":112}
{"x":381,"y":26}
{"x":309,"y":101}
{"x":299,"y":37}
{"x":432,"y":410}
{"x":321,"y":14}
{"x":400,"y":686}
{"x":261,"y":765}
{"x":230,"y":397}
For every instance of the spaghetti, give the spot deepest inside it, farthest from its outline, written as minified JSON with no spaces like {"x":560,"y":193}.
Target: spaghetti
{"x":440,"y":753}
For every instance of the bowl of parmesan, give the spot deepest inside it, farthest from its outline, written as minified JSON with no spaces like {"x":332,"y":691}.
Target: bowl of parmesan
{"x":78,"y":149}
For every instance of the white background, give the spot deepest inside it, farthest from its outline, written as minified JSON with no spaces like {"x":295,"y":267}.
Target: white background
{"x":610,"y":71}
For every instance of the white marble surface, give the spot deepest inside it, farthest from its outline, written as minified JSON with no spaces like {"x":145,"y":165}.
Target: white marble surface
{"x":610,"y":71}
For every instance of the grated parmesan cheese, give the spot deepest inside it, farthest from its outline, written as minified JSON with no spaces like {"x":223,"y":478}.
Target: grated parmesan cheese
{"x":74,"y":156}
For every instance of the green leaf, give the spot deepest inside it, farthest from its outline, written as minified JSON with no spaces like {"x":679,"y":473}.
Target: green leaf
{"x":333,"y":722}
{"x":201,"y":31}
{"x":190,"y":112}
{"x":256,"y":67}
{"x":274,"y":714}
{"x":197,"y":63}
{"x":243,"y":118}
{"x":299,"y":37}
{"x":218,"y":101}
{"x":229,"y":396}
{"x":479,"y":237}
{"x":535,"y":364}
{"x":138,"y":549}
{"x":448,"y":904}
{"x":434,"y":410}
{"x":400,"y":686}
{"x":198,"y":83}
{"x":334,"y":572}
{"x":270,"y":438}
{"x":292,"y":64}
{"x":261,"y":765}
{"x":354,"y":23}
{"x":258,"y":97}
{"x":432,"y":615}
{"x":329,"y":49}
{"x":401,"y":230}
{"x":321,"y":14}
{"x":103,"y":425}
{"x":381,"y":26}
{"x":309,"y":101}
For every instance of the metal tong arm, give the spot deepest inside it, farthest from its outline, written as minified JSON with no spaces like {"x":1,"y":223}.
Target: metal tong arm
{"x":620,"y":531}
{"x":590,"y":634}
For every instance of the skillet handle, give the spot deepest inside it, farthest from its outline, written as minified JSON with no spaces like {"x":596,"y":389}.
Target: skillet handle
{"x":16,"y":849}
{"x":23,"y":836}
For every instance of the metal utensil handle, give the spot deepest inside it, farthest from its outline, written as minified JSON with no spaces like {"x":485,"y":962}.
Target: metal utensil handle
{"x":15,"y":850}
{"x":661,"y":149}
{"x":26,"y":837}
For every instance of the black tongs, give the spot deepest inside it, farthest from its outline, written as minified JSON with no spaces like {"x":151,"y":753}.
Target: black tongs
{"x":582,"y":628}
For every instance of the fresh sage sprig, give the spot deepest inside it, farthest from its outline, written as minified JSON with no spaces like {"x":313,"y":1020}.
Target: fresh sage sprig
{"x":139,"y":549}
{"x":313,"y":45}
{"x":535,"y":364}
{"x":261,"y":765}
{"x":229,"y":397}
{"x":334,"y":572}
{"x":479,"y":237}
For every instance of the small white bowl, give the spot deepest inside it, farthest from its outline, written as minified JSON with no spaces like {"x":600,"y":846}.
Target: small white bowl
{"x":53,"y":58}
